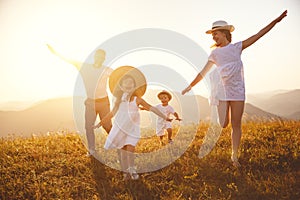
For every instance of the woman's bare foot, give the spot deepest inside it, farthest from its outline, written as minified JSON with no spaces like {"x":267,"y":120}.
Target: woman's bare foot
{"x":235,"y":161}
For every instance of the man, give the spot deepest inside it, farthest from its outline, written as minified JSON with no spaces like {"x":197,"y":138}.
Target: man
{"x":95,"y":77}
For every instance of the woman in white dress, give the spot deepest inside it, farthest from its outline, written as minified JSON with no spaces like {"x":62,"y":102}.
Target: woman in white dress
{"x":128,"y":85}
{"x":229,"y":92}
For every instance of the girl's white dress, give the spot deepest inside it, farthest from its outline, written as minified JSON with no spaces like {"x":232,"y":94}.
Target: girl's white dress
{"x":126,"y":126}
{"x":227,"y":81}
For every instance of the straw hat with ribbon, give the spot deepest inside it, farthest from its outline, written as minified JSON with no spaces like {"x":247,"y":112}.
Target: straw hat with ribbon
{"x":136,"y":74}
{"x":166,"y":93}
{"x":220,"y":25}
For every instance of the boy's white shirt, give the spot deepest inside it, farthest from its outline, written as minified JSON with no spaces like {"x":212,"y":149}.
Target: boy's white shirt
{"x":166,"y":110}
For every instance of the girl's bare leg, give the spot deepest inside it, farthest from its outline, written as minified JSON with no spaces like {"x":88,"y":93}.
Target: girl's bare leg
{"x":130,"y":160}
{"x":130,"y":155}
{"x":124,"y":159}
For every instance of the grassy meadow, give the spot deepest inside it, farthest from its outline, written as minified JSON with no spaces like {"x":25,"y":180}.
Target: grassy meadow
{"x":54,"y":166}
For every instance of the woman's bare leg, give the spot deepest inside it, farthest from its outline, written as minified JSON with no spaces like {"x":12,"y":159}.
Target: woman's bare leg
{"x":237,"y":109}
{"x":223,"y":112}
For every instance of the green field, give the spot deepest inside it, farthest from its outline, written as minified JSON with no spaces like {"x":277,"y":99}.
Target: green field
{"x":55,"y":167}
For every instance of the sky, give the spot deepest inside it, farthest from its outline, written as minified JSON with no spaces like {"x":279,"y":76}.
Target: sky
{"x":29,"y":72}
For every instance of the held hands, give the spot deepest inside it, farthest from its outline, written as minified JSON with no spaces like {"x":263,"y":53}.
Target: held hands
{"x":178,"y":119}
{"x":97,"y":126}
{"x":143,"y":108}
{"x":169,"y":120}
{"x":187,"y":89}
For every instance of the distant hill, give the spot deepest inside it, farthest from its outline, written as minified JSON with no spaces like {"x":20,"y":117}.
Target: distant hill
{"x":253,"y":113}
{"x":15,"y":105}
{"x":49,"y":115}
{"x":285,"y":104}
{"x":57,"y":114}
{"x":295,"y":116}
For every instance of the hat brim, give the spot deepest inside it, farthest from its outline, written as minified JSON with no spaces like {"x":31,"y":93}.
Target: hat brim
{"x":227,"y":27}
{"x":137,"y":75}
{"x":166,"y":93}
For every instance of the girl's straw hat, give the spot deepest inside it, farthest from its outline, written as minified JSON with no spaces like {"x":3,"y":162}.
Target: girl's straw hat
{"x":166,"y":93}
{"x":220,"y":25}
{"x":137,"y":75}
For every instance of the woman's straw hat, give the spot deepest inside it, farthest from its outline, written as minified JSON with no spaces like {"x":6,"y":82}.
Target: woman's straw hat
{"x":166,"y":93}
{"x":137,"y":75}
{"x":220,"y":25}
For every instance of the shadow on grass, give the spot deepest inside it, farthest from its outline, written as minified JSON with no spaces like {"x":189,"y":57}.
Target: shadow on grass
{"x":110,"y":184}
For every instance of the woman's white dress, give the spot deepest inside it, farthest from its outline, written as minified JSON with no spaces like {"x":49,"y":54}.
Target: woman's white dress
{"x":126,"y":126}
{"x":227,"y":81}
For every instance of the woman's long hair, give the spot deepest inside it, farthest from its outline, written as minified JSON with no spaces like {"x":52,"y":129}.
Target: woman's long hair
{"x":227,"y":34}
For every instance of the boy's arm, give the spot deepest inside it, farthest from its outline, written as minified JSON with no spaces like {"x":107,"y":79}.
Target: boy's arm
{"x":73,"y":62}
{"x":177,"y":116}
{"x":248,"y":42}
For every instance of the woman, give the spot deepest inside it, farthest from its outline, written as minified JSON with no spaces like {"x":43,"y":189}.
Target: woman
{"x":229,"y":93}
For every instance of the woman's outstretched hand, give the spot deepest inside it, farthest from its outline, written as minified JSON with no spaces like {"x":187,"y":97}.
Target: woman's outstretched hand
{"x":283,"y":15}
{"x":186,"y":90}
{"x":51,"y":49}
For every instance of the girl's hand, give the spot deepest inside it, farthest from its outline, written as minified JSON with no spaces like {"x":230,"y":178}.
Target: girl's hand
{"x":186,"y":90}
{"x":143,"y":108}
{"x":283,"y":15}
{"x":97,"y":126}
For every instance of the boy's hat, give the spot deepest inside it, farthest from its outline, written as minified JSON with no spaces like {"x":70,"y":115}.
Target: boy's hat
{"x":166,"y":93}
{"x":136,"y":74}
{"x":220,"y":25}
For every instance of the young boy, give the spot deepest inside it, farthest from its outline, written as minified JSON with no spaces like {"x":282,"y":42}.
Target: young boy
{"x":165,"y":108}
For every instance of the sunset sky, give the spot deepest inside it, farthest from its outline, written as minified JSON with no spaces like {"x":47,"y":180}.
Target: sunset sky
{"x":28,"y":71}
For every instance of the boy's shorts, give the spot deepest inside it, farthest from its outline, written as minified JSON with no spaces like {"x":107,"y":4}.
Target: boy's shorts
{"x":160,"y":128}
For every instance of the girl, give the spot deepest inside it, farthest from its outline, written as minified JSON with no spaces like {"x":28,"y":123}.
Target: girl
{"x":230,"y":91}
{"x":127,"y":84}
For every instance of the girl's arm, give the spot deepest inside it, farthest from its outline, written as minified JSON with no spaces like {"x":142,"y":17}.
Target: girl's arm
{"x":104,"y":120}
{"x":199,"y":77}
{"x":147,"y":106}
{"x":248,"y":42}
{"x":73,"y":62}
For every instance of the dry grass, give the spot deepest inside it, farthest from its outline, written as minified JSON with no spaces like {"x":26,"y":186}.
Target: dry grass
{"x":55,"y":167}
